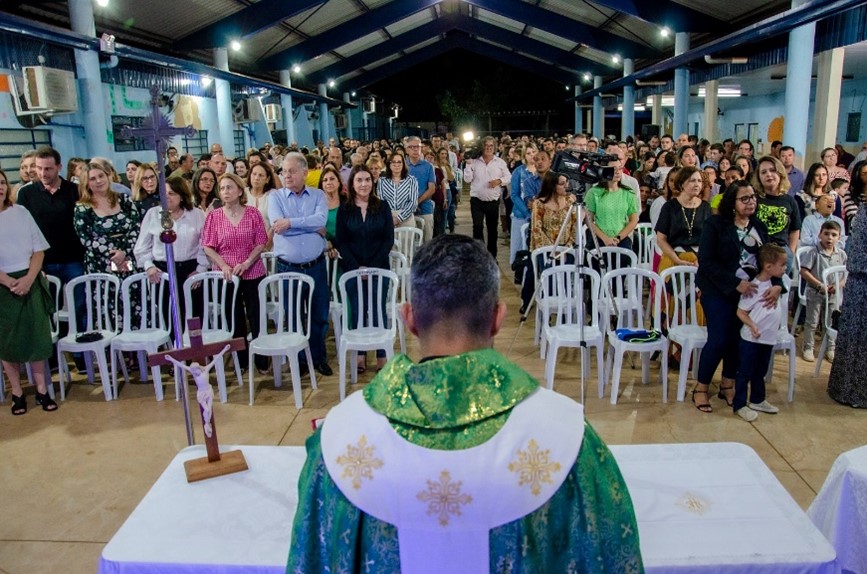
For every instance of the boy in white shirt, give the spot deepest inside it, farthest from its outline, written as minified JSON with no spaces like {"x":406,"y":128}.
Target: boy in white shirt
{"x":813,"y":263}
{"x":758,"y":335}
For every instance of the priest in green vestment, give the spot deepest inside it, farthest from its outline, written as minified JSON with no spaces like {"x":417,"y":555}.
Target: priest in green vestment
{"x":460,"y":462}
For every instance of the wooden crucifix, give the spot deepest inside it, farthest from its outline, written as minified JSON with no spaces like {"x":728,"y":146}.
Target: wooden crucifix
{"x":214,"y":464}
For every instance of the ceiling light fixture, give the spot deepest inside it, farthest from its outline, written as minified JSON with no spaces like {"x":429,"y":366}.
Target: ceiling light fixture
{"x":206,"y":81}
{"x":664,"y":32}
{"x":102,"y":3}
{"x":296,"y":69}
{"x":331,"y":83}
{"x":235,"y":45}
{"x":615,"y":58}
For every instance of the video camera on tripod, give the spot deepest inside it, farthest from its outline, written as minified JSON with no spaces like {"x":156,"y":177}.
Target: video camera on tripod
{"x":581,"y":168}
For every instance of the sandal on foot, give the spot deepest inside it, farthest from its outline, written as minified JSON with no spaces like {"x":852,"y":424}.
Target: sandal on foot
{"x":19,"y":405}
{"x":360,"y":366}
{"x":704,"y":407}
{"x":722,"y":395}
{"x":47,"y":402}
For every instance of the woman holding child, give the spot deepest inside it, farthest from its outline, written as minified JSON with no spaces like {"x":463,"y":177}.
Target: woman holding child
{"x":726,"y":264}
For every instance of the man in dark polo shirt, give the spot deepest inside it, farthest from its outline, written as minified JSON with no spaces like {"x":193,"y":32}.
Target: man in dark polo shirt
{"x":51,"y":200}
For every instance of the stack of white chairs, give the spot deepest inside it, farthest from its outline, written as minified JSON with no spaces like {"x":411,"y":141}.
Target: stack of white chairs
{"x":374,"y":305}
{"x":218,"y":319}
{"x":629,"y":285}
{"x":292,"y":324}
{"x":100,"y":292}
{"x":147,"y":334}
{"x":567,"y":295}
{"x":683,"y":327}
{"x":407,"y":240}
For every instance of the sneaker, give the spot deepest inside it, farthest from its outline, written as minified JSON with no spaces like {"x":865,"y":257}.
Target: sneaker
{"x":809,"y":356}
{"x":764,"y":407}
{"x":747,"y":414}
{"x":829,"y":356}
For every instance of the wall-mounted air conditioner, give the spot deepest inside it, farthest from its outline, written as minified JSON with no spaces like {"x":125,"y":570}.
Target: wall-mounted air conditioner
{"x":368,"y":105}
{"x":49,"y":90}
{"x":273,"y":113}
{"x":340,"y":121}
{"x":247,"y":111}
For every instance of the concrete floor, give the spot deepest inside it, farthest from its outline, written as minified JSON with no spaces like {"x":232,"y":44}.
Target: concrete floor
{"x":72,"y":477}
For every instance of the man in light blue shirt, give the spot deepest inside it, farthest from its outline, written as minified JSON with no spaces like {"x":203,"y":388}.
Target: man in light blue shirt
{"x":298,"y":214}
{"x":796,"y":176}
{"x":423,"y":172}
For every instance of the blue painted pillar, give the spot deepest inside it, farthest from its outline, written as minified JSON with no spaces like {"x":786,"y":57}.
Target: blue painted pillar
{"x":96,"y":129}
{"x":598,"y":112}
{"x":225,"y":121}
{"x":799,"y":72}
{"x":365,"y":134}
{"x":348,"y":113}
{"x":288,"y":112}
{"x":323,"y":116}
{"x":627,"y":123}
{"x":681,"y":88}
{"x":579,"y":118}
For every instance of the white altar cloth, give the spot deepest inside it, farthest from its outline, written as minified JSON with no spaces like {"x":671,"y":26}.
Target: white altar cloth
{"x":701,"y":508}
{"x":717,"y":508}
{"x":840,"y":509}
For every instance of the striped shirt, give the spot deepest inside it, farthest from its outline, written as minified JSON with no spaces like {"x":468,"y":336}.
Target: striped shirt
{"x":234,"y":244}
{"x":402,"y":198}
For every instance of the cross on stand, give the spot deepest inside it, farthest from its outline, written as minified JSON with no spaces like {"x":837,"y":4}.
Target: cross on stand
{"x":157,"y":132}
{"x":214,"y":464}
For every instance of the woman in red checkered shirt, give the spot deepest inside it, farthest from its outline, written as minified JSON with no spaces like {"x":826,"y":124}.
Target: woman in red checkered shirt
{"x":233,"y":237}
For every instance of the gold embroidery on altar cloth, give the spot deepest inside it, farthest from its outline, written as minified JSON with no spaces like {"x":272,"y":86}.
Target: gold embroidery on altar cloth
{"x":358,"y":463}
{"x":694,"y":503}
{"x":533,"y":467}
{"x":444,"y":497}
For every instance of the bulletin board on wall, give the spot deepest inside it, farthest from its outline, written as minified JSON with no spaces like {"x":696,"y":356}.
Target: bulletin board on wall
{"x":134,"y":143}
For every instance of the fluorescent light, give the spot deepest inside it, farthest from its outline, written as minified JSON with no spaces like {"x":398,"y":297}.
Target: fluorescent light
{"x":638,"y":107}
{"x":667,"y":101}
{"x":206,"y":81}
{"x":102,"y":3}
{"x":723,"y":91}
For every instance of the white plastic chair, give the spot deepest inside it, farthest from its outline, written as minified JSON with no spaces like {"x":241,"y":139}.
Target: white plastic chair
{"x":563,"y":298}
{"x":836,"y":276}
{"x":630,"y":284}
{"x":541,"y":259}
{"x":294,"y":299}
{"x":407,"y":240}
{"x":397,"y":263}
{"x":641,"y":245}
{"x":148,"y":334}
{"x":269,"y":258}
{"x":217,"y":323}
{"x":683,"y":327}
{"x":524,"y":228}
{"x":615,"y":258}
{"x":335,"y":308}
{"x":802,"y":285}
{"x":785,"y":340}
{"x":375,"y":303}
{"x":100,"y":291}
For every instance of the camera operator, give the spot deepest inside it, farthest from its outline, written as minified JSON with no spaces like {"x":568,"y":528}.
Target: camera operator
{"x":612,"y":210}
{"x":486,"y":176}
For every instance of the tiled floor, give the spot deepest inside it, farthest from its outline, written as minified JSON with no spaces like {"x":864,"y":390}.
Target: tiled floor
{"x":72,"y":477}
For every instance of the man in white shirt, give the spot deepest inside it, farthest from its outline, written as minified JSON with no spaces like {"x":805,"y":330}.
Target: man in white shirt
{"x":486,"y":176}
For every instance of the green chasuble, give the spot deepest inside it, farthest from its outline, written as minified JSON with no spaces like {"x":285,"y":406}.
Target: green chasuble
{"x":455,"y":403}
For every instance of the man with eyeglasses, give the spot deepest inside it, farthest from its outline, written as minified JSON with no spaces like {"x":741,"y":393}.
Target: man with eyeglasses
{"x":423,"y":172}
{"x":486,"y":175}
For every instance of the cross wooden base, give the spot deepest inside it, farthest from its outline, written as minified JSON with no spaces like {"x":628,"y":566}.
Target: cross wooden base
{"x":229,"y":462}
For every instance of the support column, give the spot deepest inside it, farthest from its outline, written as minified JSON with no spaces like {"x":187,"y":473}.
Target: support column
{"x":288,"y":112}
{"x":323,"y":116}
{"x":588,"y":119}
{"x":598,"y":112}
{"x":656,"y":111}
{"x":579,"y":119}
{"x":348,"y":113}
{"x":799,"y":71}
{"x":681,"y":88}
{"x":627,"y":122}
{"x":711,"y":104}
{"x":827,"y":109}
{"x":225,"y":121}
{"x":94,"y":113}
{"x":364,"y":125}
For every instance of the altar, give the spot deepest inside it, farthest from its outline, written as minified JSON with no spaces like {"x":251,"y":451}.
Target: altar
{"x":707,"y":507}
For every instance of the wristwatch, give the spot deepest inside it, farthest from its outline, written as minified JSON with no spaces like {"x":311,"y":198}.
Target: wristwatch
{"x":617,"y":238}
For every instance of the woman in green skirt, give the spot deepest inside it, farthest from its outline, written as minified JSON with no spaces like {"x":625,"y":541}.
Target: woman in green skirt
{"x":25,"y":303}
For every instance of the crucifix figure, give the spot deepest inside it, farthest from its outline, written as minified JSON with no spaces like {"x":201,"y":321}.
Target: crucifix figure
{"x":158,"y":131}
{"x":214,"y":464}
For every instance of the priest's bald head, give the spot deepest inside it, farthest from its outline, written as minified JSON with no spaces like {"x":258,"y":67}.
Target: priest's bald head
{"x":455,"y":305}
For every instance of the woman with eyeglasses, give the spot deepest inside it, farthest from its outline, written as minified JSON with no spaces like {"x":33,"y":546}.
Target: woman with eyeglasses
{"x":726,"y":265}
{"x":205,"y":189}
{"x":399,"y":190}
{"x":144,"y":188}
{"x":777,"y":209}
